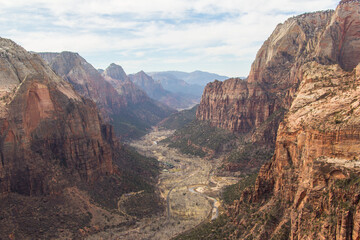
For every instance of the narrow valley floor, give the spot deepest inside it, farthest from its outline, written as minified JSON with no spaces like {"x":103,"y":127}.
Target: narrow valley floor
{"x":188,"y":187}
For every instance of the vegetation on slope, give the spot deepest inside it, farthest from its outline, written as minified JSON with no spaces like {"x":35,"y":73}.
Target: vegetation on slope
{"x":180,"y":119}
{"x":136,"y":173}
{"x":137,"y":119}
{"x":200,"y":138}
{"x":247,"y":157}
{"x":69,"y":211}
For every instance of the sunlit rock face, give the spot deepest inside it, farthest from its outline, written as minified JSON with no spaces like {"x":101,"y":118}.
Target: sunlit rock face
{"x":313,"y":177}
{"x":244,"y":105}
{"x":50,"y":135}
{"x":87,"y":81}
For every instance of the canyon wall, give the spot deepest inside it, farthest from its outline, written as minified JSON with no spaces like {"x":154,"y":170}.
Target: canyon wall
{"x":121,"y":103}
{"x":49,"y":134}
{"x":310,"y":188}
{"x":245,"y":105}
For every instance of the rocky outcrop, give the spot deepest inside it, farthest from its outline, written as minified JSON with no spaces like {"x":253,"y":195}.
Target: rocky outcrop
{"x":340,"y":42}
{"x":120,"y":102}
{"x":87,"y":81}
{"x":310,"y":188}
{"x":315,"y":168}
{"x":245,"y":105}
{"x":62,"y":170}
{"x":50,"y":136}
{"x":115,"y":71}
{"x":116,"y":76}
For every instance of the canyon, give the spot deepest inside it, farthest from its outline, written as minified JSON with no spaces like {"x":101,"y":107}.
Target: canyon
{"x":187,"y":183}
{"x":287,"y":135}
{"x":62,"y":167}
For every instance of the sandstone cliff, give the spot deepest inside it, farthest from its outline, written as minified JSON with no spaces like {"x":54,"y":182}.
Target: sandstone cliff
{"x":310,"y":188}
{"x":62,"y":169}
{"x":245,"y":105}
{"x":87,"y":81}
{"x":120,"y":102}
{"x":313,"y":178}
{"x":45,"y":123}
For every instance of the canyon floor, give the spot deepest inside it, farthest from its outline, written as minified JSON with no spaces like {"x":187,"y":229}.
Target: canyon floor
{"x":187,"y":185}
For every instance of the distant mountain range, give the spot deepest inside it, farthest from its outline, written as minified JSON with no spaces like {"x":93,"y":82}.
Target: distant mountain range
{"x":156,"y":91}
{"x":190,"y":85}
{"x":196,"y":77}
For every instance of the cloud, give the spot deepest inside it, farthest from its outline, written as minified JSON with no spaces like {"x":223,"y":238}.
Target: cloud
{"x":157,"y":33}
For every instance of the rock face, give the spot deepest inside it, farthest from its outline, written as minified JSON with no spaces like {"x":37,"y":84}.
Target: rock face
{"x":340,"y":42}
{"x":115,"y":72}
{"x":87,"y":81}
{"x":244,"y":105}
{"x":310,"y":188}
{"x":120,"y":102}
{"x":49,"y":134}
{"x":314,"y":174}
{"x":117,"y":77}
{"x":156,"y":91}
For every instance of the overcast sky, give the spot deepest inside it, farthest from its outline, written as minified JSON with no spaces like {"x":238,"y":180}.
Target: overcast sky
{"x":220,"y":36}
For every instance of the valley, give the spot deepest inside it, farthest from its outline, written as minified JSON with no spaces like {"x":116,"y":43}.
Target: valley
{"x":91,"y":153}
{"x":186,"y":183}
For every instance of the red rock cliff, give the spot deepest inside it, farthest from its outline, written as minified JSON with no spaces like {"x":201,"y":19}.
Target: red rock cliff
{"x":49,"y":135}
{"x":242,"y":105}
{"x":310,"y":188}
{"x":87,"y":81}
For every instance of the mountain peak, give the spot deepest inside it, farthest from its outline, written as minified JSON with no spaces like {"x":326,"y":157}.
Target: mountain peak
{"x":116,"y":72}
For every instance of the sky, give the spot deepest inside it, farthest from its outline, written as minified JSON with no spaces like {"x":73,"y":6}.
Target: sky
{"x":218,"y":36}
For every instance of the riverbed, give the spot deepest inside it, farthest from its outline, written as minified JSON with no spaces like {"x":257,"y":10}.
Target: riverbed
{"x":186,"y":184}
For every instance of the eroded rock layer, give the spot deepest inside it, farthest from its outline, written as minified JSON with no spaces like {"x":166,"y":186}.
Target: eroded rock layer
{"x":244,"y":105}
{"x":120,"y":102}
{"x":310,"y":188}
{"x":49,"y":134}
{"x":87,"y":81}
{"x":313,"y":178}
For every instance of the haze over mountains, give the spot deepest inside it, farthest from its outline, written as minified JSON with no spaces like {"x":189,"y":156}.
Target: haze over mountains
{"x":156,"y":91}
{"x":191,"y":84}
{"x":289,"y":134}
